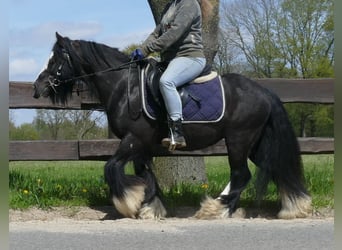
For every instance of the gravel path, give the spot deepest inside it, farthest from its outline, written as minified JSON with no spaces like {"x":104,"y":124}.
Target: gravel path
{"x":100,"y":228}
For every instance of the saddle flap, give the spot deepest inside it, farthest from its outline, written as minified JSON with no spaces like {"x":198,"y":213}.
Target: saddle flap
{"x":152,"y":73}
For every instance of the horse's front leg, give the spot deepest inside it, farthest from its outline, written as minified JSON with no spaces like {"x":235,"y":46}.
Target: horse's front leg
{"x":152,"y":206}
{"x":128,"y":191}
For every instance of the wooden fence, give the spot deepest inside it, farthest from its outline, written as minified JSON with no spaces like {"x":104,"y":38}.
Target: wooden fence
{"x":289,"y":90}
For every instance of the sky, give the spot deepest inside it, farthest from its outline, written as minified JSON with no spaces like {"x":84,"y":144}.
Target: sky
{"x":33,"y":23}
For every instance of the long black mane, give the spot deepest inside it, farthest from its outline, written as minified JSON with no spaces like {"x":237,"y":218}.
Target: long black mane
{"x":84,"y":56}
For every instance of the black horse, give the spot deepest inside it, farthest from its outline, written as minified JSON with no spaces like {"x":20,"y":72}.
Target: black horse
{"x":254,"y":126}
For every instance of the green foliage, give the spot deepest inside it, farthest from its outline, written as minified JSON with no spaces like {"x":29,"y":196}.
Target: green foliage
{"x":311,"y":120}
{"x":61,"y":125}
{"x":319,"y":175}
{"x":286,"y":39}
{"x":24,"y":132}
{"x":322,"y":68}
{"x":46,"y":184}
{"x":129,"y":49}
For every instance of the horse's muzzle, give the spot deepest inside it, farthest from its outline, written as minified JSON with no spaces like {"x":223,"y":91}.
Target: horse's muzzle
{"x":36,"y":94}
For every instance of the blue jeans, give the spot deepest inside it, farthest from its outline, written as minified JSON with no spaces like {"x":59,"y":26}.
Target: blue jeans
{"x":179,"y":71}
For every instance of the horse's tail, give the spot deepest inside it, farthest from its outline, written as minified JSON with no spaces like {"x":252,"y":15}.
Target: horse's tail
{"x":277,"y":154}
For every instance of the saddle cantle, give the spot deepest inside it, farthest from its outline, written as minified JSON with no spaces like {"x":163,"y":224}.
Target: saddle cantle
{"x":202,"y":99}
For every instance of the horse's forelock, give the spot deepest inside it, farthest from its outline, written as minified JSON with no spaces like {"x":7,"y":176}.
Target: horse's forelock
{"x":63,"y":92}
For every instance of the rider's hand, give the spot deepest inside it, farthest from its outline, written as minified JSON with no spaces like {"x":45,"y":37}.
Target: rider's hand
{"x":137,"y":54}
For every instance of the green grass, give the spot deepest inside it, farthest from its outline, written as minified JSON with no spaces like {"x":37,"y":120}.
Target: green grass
{"x":46,"y":184}
{"x":81,"y":183}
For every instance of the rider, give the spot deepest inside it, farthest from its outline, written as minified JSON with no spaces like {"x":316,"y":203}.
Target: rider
{"x":178,"y":38}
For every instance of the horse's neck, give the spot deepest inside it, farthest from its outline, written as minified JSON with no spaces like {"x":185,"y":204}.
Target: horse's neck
{"x":107,"y":87}
{"x":110,"y":86}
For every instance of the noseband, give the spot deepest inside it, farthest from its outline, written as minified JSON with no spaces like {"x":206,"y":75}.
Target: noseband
{"x":55,"y":80}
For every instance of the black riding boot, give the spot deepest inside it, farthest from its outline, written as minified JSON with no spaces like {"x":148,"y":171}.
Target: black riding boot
{"x":176,"y":138}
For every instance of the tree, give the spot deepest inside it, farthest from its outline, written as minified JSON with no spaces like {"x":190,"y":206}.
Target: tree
{"x":282,"y":38}
{"x":310,"y":120}
{"x":49,"y":122}
{"x":228,"y":59}
{"x":306,"y":29}
{"x":249,"y":28}
{"x":25,"y":131}
{"x":69,"y":124}
{"x":83,"y":122}
{"x":173,"y":170}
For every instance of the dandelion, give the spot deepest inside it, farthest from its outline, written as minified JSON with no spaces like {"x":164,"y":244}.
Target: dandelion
{"x":205,"y":186}
{"x":84,"y":190}
{"x":25,"y":191}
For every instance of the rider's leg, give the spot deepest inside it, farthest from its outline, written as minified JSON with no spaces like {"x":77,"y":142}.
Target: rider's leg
{"x":179,"y":71}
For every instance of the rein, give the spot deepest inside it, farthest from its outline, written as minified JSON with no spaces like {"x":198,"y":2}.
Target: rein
{"x":54,"y":81}
{"x":121,"y":67}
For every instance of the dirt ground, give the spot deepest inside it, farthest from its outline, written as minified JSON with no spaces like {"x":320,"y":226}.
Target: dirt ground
{"x":109,"y":213}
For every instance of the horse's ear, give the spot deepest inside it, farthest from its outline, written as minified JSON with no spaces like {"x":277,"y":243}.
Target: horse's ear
{"x":59,"y":38}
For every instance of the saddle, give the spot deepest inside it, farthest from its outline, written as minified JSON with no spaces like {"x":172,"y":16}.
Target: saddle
{"x":153,"y":104}
{"x":151,"y":74}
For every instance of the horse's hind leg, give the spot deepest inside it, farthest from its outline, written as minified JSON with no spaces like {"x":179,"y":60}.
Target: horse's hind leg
{"x":226,"y":204}
{"x":239,"y":178}
{"x":152,"y":207}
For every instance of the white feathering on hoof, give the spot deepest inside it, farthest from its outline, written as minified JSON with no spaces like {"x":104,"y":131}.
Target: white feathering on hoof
{"x":294,"y":207}
{"x":153,"y":210}
{"x":214,"y":209}
{"x":130,"y":203}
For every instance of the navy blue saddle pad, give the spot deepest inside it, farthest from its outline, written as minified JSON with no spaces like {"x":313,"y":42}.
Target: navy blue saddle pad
{"x":204,"y":102}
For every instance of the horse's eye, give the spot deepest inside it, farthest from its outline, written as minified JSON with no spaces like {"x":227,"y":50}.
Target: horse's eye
{"x":59,"y":70}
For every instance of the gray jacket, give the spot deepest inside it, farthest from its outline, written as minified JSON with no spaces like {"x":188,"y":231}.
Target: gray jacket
{"x":179,"y":32}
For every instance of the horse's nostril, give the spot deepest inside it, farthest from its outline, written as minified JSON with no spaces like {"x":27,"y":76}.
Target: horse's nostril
{"x":36,"y":95}
{"x":35,"y":92}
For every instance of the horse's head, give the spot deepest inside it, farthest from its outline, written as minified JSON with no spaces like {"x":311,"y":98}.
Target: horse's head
{"x":56,"y":79}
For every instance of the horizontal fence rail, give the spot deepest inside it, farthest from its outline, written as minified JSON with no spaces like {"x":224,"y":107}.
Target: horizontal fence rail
{"x":289,"y":90}
{"x":103,"y":149}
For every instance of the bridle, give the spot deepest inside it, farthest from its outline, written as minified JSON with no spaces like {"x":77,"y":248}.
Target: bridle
{"x":56,"y":79}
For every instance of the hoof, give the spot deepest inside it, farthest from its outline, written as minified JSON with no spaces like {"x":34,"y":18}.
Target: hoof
{"x":295,"y":207}
{"x":153,"y":210}
{"x":130,"y":203}
{"x":214,"y":209}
